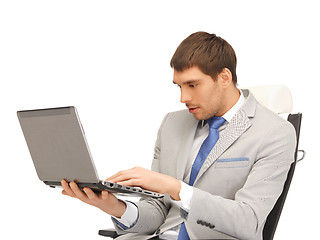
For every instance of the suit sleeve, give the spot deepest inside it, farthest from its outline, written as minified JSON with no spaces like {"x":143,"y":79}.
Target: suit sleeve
{"x":244,"y":217}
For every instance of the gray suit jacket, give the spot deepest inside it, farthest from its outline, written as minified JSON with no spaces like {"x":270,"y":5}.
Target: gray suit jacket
{"x":238,"y":184}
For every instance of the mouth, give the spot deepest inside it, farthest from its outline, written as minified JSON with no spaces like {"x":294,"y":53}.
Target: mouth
{"x":193,"y":109}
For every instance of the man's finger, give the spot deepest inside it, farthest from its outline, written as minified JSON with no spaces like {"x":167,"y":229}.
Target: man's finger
{"x":90,"y":194}
{"x":79,"y":194}
{"x":111,"y":179}
{"x":131,"y":182}
{"x":104,"y":195}
{"x":125,"y":174}
{"x":66,"y":189}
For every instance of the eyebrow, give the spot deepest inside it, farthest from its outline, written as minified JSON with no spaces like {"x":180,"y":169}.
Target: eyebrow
{"x":187,"y":82}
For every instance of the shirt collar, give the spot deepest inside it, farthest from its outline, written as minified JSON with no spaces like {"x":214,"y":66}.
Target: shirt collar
{"x":232,"y":111}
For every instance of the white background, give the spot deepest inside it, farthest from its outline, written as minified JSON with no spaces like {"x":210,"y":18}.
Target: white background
{"x":111,"y":60}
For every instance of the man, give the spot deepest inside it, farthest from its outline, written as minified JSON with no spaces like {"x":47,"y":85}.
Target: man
{"x":222,"y":163}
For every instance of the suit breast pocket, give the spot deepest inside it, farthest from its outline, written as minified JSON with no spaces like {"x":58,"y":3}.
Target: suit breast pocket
{"x":230,"y":175}
{"x":232,"y":162}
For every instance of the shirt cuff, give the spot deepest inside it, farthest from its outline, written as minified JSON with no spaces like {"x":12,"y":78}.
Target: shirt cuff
{"x":130,"y":216}
{"x":185,"y":195}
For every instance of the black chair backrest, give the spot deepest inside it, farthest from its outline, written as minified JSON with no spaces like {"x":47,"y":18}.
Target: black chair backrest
{"x":273,"y":217}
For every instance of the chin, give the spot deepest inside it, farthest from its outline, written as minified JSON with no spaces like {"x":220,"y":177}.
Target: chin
{"x":201,"y":117}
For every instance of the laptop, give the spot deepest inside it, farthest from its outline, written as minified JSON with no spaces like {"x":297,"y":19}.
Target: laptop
{"x":59,"y":150}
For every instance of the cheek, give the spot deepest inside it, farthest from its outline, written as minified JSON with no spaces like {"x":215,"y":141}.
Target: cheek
{"x":209,"y":99}
{"x":203,"y":95}
{"x":212,"y":103}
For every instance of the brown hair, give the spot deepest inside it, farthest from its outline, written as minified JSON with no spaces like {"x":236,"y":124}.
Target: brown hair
{"x":207,"y":51}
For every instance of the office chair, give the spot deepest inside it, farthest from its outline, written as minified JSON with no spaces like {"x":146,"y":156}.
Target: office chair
{"x":278,"y":99}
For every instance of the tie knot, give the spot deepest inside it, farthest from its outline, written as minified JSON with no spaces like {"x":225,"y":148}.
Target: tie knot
{"x":215,"y":122}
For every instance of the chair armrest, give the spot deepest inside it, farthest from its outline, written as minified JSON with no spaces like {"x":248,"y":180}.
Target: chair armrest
{"x":303,"y":155}
{"x":112,"y":233}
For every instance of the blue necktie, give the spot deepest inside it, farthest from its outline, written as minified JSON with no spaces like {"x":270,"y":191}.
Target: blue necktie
{"x":205,"y":149}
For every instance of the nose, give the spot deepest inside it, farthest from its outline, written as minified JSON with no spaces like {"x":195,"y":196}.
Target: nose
{"x":185,"y":96}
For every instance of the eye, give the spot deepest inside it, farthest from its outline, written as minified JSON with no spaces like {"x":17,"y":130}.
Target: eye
{"x":192,"y":85}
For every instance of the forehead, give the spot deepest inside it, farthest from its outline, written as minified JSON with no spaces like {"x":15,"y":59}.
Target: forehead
{"x":191,"y":74}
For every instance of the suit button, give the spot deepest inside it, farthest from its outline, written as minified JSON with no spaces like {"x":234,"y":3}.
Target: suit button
{"x":200,"y":222}
{"x":212,"y":226}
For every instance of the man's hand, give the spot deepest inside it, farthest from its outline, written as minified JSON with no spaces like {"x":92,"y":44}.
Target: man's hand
{"x":105,"y":201}
{"x":150,"y":180}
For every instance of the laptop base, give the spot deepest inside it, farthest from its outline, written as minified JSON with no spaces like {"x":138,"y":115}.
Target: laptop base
{"x":111,"y":187}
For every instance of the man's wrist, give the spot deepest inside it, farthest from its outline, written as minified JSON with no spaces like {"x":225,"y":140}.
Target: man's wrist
{"x":186,"y":194}
{"x":175,"y":190}
{"x":119,"y":209}
{"x":130,"y":216}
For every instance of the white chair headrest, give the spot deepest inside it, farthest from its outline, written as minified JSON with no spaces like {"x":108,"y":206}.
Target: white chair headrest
{"x":277,"y":98}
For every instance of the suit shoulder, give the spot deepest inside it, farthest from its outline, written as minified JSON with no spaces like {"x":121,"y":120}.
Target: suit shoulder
{"x":179,"y":119}
{"x":272,"y":121}
{"x":179,"y":115}
{"x":182,"y":113}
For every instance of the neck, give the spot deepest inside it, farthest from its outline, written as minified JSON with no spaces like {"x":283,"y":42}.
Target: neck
{"x":231,"y":97}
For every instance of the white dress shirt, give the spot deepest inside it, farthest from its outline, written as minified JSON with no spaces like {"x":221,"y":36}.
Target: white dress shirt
{"x":130,"y":216}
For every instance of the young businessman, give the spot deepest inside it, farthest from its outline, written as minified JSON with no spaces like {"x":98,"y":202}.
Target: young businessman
{"x":222,"y":163}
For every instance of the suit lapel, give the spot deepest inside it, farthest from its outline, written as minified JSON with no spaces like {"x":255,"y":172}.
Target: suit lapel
{"x":235,"y":128}
{"x":187,"y":138}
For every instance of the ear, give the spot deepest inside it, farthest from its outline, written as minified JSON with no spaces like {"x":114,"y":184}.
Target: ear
{"x":225,"y":77}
